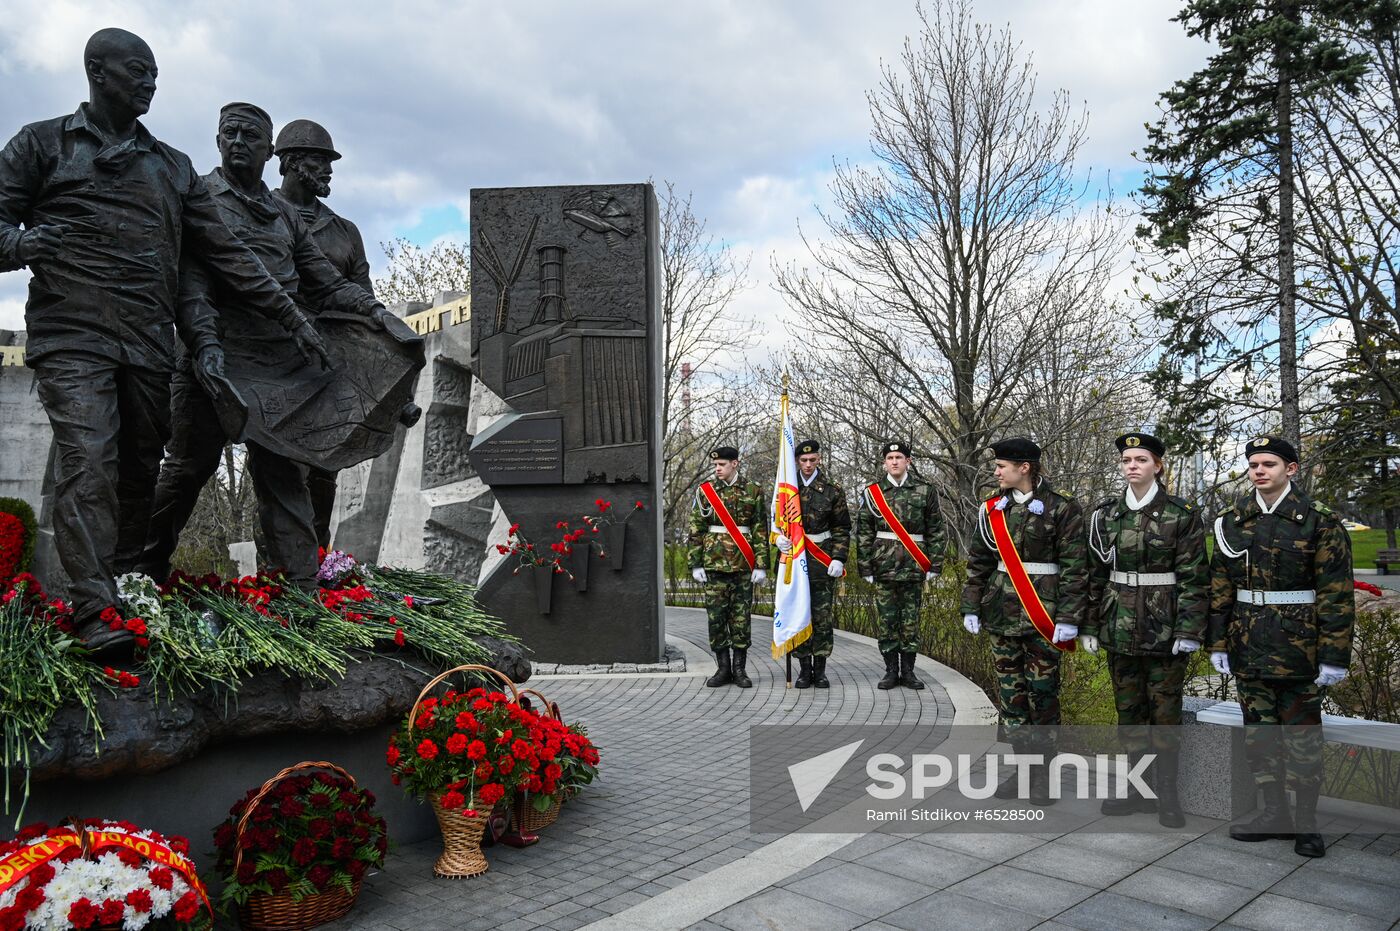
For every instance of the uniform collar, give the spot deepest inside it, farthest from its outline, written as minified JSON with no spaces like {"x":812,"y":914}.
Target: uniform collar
{"x":808,"y":481}
{"x":142,"y":139}
{"x":1137,"y":504}
{"x":260,"y":204}
{"x":1269,"y":509}
{"x":900,"y":484}
{"x":730,"y":484}
{"x":317,"y":216}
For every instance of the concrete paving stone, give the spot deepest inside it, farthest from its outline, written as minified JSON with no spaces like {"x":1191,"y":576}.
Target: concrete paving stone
{"x":947,"y":909}
{"x":934,"y":867}
{"x":588,"y":915}
{"x":1033,"y":893}
{"x":1144,"y":848}
{"x":569,"y":923}
{"x":860,"y":889}
{"x":1271,"y":912}
{"x":1216,"y":861}
{"x":866,"y":844}
{"x":1361,"y":863}
{"x":1192,"y":893}
{"x":1107,"y":911}
{"x":1344,"y":893}
{"x":782,"y":910}
{"x":1076,"y":864}
{"x":994,"y":847}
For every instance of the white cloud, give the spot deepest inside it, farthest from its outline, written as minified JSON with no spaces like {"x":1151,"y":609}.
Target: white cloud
{"x":744,"y":104}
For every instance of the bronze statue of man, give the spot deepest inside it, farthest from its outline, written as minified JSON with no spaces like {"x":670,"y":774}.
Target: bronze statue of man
{"x":101,"y":212}
{"x":304,"y":152}
{"x":253,"y":351}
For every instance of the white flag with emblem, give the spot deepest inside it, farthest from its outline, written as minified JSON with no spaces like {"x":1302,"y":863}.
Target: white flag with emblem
{"x":792,"y":598}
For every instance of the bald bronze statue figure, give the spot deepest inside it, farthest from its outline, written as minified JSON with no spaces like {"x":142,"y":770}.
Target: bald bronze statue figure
{"x":100,"y":211}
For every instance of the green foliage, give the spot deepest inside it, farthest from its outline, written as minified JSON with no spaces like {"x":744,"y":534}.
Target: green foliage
{"x":21,"y":509}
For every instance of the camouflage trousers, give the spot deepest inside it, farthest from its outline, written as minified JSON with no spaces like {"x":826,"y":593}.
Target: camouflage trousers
{"x":1028,"y":686}
{"x":823,"y":589}
{"x":1283,"y":729}
{"x":729,"y":603}
{"x":1147,"y":691}
{"x":898,"y":604}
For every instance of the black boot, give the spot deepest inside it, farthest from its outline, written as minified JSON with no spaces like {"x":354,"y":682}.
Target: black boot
{"x":722,"y":674}
{"x":1307,"y":842}
{"x":819,"y":673}
{"x":741,"y":678}
{"x":906,"y":674}
{"x":1164,"y":771}
{"x":891,"y":678}
{"x":1271,"y":823}
{"x":1040,"y":785}
{"x":1133,"y":802}
{"x":804,"y":677}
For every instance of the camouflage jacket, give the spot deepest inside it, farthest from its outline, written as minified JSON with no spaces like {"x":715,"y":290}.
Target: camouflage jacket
{"x":718,"y":551}
{"x":916,"y":506}
{"x":1300,"y":546}
{"x":824,"y":510}
{"x":1054,"y":536}
{"x":1165,"y":536}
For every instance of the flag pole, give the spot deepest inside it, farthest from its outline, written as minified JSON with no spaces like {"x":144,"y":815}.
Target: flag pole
{"x":787,"y":563}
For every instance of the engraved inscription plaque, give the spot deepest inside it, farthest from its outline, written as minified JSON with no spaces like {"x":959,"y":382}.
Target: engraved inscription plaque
{"x":521,"y":452}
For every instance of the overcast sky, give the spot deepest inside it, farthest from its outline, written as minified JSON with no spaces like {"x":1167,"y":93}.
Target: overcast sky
{"x":743,"y":104}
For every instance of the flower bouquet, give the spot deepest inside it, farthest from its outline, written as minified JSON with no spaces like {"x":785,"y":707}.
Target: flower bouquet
{"x":101,"y":875}
{"x":294,"y":851}
{"x":568,"y":762}
{"x":464,"y":753}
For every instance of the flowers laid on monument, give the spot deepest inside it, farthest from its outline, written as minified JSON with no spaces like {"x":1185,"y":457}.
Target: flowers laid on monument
{"x":98,"y":873}
{"x":584,"y":532}
{"x":18,"y":530}
{"x":198,"y":632}
{"x":308,"y":834}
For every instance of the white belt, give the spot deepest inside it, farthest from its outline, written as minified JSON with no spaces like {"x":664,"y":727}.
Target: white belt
{"x":1142,"y":579}
{"x":1035,"y":568}
{"x":819,"y":537}
{"x":1253,"y":596}
{"x":717,"y":528}
{"x":891,"y":535}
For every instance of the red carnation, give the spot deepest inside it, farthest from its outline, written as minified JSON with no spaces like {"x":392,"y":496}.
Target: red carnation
{"x":399,"y":638}
{"x":186,"y":907}
{"x":491,"y":793}
{"x":82,"y":913}
{"x":428,"y":750}
{"x":476,"y":750}
{"x":466,"y":721}
{"x":453,"y":800}
{"x":112,"y":911}
{"x":292,"y":808}
{"x":161,"y":877}
{"x":139,"y":900}
{"x":456,"y":744}
{"x":303,"y":851}
{"x":392,"y":755}
{"x":319,"y":828}
{"x":320,"y":875}
{"x":277,"y":879}
{"x":247,"y":871}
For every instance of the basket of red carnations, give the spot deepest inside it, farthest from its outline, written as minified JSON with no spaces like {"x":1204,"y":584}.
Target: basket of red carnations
{"x":569,"y":761}
{"x":295,"y":850}
{"x":99,"y":875}
{"x":464,"y":753}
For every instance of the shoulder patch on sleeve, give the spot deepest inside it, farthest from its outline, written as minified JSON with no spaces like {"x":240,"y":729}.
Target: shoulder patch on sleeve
{"x":1322,"y":509}
{"x":1181,"y":502}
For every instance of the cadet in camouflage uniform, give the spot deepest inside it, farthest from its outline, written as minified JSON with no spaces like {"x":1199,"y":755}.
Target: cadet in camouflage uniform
{"x":826,"y":521}
{"x":717,"y":563}
{"x":1149,"y":597}
{"x":883,"y":560}
{"x":1047,"y":528}
{"x":1281,"y":613}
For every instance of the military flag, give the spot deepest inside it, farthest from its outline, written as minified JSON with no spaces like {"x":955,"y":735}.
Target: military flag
{"x":792,"y":597}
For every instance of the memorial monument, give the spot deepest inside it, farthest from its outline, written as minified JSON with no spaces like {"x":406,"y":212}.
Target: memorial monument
{"x":565,"y":330}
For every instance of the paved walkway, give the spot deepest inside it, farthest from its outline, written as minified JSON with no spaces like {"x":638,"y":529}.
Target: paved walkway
{"x":661,"y":840}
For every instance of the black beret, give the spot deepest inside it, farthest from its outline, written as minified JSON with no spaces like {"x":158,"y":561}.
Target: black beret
{"x":807,"y":447}
{"x":724,"y":452}
{"x":1276,"y":445}
{"x":1017,"y":449}
{"x":895,"y":446}
{"x":1141,"y":441}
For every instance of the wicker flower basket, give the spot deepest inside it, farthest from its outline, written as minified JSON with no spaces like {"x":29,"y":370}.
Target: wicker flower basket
{"x":525,"y":817}
{"x":461,"y":835}
{"x":280,"y":912}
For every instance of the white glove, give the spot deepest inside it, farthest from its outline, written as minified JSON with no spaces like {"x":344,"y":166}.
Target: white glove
{"x":836,"y":569}
{"x":784,"y":544}
{"x":870,"y":579}
{"x":1221,"y":661}
{"x":1330,"y":675}
{"x":758,"y":576}
{"x":698,"y":575}
{"x":972,"y":624}
{"x":930,"y":576}
{"x":1064,"y":633}
{"x":1089,"y":642}
{"x":1185,"y":645}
